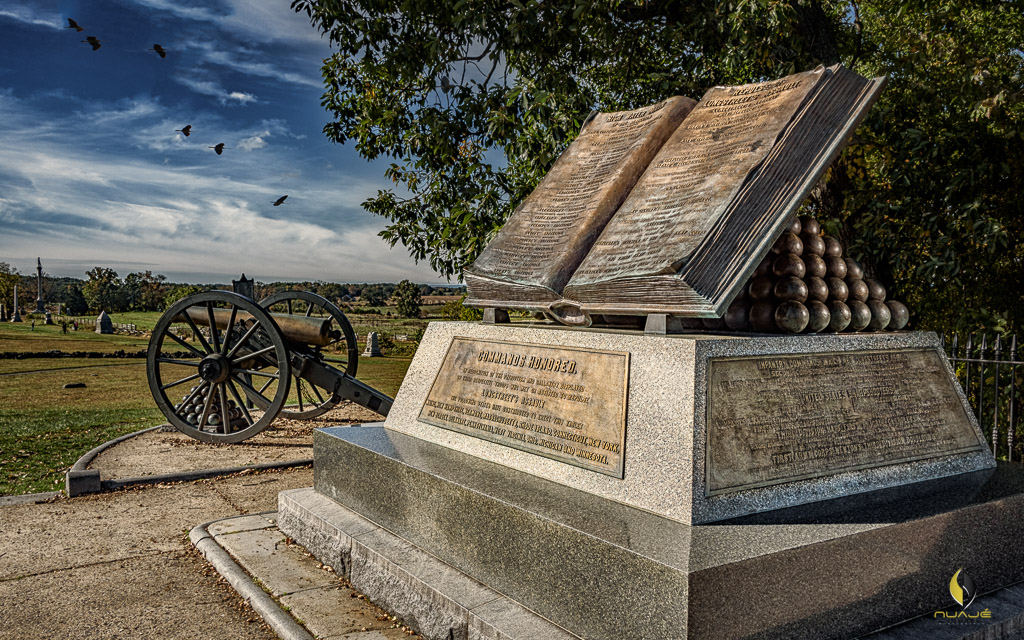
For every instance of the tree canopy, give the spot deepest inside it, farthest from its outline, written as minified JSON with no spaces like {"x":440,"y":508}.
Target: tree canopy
{"x":407,"y":299}
{"x":473,"y":101}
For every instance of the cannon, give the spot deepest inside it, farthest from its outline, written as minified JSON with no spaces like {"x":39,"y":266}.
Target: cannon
{"x":222,"y":367}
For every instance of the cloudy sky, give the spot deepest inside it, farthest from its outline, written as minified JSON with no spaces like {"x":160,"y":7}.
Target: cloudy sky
{"x":93,"y":173}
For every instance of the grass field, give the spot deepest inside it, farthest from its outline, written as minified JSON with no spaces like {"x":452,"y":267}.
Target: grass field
{"x":44,"y":427}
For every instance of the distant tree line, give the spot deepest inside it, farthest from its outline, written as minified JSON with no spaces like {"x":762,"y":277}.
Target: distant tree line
{"x":104,"y":290}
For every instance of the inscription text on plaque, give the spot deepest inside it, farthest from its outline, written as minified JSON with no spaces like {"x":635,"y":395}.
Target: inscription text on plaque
{"x":775,"y":419}
{"x":559,"y":402}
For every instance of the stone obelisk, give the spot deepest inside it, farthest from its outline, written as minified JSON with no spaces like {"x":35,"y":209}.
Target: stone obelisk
{"x":39,"y":287}
{"x":15,"y":316}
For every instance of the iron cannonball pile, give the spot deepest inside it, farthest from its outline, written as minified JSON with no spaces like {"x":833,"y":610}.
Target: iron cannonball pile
{"x":808,"y":285}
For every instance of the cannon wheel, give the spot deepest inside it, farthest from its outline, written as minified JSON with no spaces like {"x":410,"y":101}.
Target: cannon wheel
{"x":342,"y":353}
{"x":222,"y":365}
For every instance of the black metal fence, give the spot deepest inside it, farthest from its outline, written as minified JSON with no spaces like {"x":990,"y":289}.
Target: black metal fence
{"x":990,"y":373}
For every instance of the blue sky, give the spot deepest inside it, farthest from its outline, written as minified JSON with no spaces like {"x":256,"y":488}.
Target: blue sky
{"x":92,"y":172}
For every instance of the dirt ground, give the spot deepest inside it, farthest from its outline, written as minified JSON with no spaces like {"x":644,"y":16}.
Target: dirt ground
{"x":119,"y":564}
{"x":169,"y":451}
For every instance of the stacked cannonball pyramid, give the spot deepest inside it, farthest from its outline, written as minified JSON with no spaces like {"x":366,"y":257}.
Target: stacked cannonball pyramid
{"x":191,"y":409}
{"x":806,"y":285}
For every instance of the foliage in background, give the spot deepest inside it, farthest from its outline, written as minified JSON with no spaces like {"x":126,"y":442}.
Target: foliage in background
{"x":453,"y":310}
{"x":8,"y":278}
{"x":474,"y":101}
{"x":74,"y":299}
{"x":178,"y":292}
{"x":932,"y":195}
{"x":407,"y":299}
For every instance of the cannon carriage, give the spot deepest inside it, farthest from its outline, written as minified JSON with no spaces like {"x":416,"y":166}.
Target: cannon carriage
{"x":292,"y":355}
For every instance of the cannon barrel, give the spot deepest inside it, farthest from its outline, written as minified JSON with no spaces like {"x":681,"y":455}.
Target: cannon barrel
{"x":315,"y":332}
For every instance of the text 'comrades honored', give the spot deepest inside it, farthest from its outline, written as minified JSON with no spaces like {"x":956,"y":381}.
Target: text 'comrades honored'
{"x":560,"y":402}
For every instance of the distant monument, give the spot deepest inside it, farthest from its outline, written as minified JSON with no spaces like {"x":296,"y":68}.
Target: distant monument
{"x":39,"y":289}
{"x":104,"y":324}
{"x":49,"y":318}
{"x":245,"y":287}
{"x":3,"y":312}
{"x":372,"y":347}
{"x":15,"y":316}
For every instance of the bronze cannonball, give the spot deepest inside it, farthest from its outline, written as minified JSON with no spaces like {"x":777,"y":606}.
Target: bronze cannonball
{"x":853,"y":269}
{"x":899,"y":314}
{"x":764,"y":268}
{"x":840,"y":316}
{"x":837,"y":289}
{"x":761,"y":288}
{"x":791,"y":316}
{"x":737,"y":316}
{"x":810,"y":225}
{"x":762,"y":316}
{"x":791,"y":288}
{"x":788,"y":243}
{"x":813,"y":244}
{"x":833,"y":247}
{"x":815,"y":265}
{"x":789,"y":264}
{"x":860,"y":315}
{"x":816,"y":289}
{"x":880,"y":315}
{"x":875,"y":290}
{"x":858,"y":289}
{"x":819,"y":316}
{"x":835,"y":267}
{"x":794,"y":226}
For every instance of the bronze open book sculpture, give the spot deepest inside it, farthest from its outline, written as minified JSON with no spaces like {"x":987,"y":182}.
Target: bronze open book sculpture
{"x":670,"y":208}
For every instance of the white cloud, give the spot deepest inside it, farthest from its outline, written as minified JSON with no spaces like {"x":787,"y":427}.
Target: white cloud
{"x":261,"y":69}
{"x":66,"y":198}
{"x":253,"y":142}
{"x":31,"y":15}
{"x":241,"y":97}
{"x":126,"y":109}
{"x":249,"y":18}
{"x":213,"y":88}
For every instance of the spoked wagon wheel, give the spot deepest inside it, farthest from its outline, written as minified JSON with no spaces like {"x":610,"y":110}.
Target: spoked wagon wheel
{"x":307,"y":400}
{"x":217,"y":352}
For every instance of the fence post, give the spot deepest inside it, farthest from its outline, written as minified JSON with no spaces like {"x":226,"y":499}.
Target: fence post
{"x":1011,"y":426}
{"x":995,"y":409}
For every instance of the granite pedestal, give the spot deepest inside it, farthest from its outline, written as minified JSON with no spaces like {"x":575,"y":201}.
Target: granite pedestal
{"x":655,"y":544}
{"x":833,"y":569}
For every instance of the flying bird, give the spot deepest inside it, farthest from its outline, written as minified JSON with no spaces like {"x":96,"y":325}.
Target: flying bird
{"x":187,"y":130}
{"x":93,"y":41}
{"x":159,"y":50}
{"x":279,"y":201}
{"x":74,"y":25}
{"x":219,"y":148}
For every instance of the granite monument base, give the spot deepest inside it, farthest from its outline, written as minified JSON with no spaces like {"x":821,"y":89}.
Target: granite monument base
{"x":399,"y":514}
{"x":695,"y":428}
{"x":609,"y":485}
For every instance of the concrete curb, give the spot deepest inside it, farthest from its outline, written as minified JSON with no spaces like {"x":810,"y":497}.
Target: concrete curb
{"x":28,"y":498}
{"x":89,"y":456}
{"x":279,"y":620}
{"x":80,"y":480}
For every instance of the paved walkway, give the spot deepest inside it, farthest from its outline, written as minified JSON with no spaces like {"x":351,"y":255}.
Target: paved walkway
{"x":120,"y":564}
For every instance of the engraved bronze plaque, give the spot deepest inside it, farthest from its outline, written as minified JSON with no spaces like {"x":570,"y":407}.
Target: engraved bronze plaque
{"x":563,"y":403}
{"x":779,"y":418}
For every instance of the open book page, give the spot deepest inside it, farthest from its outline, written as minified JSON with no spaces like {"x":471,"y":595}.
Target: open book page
{"x":545,"y":239}
{"x":732,"y":250}
{"x":692,"y":181}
